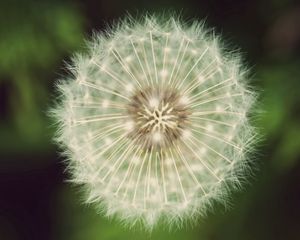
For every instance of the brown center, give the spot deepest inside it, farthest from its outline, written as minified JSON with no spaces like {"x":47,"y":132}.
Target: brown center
{"x":159,"y":117}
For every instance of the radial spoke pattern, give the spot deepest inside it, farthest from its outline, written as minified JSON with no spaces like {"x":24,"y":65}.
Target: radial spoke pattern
{"x":155,"y":122}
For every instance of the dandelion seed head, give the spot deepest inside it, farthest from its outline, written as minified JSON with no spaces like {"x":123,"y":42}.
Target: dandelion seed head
{"x":155,"y":122}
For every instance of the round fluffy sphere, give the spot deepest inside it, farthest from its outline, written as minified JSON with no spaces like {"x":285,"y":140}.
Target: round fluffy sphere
{"x":154,"y":121}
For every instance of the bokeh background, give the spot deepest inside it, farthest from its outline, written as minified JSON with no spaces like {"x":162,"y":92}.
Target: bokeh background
{"x":38,"y":37}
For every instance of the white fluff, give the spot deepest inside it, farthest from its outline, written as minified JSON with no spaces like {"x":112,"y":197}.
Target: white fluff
{"x":171,"y":183}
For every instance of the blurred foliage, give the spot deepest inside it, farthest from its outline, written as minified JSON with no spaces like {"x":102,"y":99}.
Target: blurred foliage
{"x":34,"y":41}
{"x":37,"y":36}
{"x":279,"y":120}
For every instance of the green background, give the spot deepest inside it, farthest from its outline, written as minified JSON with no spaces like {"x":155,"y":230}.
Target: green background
{"x":37,"y":38}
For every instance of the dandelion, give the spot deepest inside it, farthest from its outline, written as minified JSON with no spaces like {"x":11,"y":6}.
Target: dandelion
{"x":154,"y":121}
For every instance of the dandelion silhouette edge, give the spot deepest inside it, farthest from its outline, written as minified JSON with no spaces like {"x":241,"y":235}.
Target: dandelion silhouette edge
{"x":154,"y":121}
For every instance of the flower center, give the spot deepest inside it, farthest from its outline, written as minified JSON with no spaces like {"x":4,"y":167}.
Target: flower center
{"x":159,"y":117}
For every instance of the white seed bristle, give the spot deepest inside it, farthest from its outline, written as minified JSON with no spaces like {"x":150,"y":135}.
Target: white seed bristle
{"x":156,"y":125}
